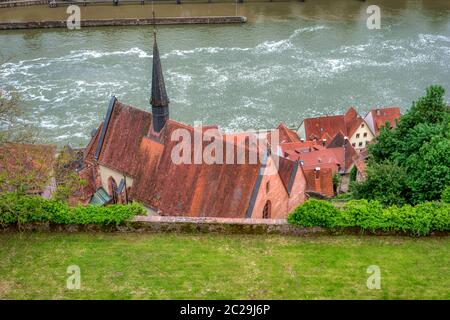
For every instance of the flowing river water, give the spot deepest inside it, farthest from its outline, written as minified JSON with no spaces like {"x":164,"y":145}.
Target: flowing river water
{"x":289,"y":61}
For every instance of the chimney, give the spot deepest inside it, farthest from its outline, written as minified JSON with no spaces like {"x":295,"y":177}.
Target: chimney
{"x":317,"y":180}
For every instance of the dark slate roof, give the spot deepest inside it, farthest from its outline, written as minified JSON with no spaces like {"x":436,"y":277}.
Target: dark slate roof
{"x":159,"y":96}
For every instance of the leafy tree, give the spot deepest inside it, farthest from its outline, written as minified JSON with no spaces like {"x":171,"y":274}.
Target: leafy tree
{"x":68,"y":182}
{"x":13,"y":127}
{"x":429,"y":170}
{"x":446,"y":195}
{"x":418,"y":150}
{"x":385,"y":182}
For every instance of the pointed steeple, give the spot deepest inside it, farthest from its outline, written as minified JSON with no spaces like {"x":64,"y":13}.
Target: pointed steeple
{"x":159,"y":99}
{"x":159,"y":95}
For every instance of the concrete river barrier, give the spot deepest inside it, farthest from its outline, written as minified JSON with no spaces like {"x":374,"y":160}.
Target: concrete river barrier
{"x":125,"y":22}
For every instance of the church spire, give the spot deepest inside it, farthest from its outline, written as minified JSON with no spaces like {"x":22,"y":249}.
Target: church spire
{"x":159,"y":99}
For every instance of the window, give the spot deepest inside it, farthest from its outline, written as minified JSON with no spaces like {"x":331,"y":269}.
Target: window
{"x":267,"y":186}
{"x":362,"y":125}
{"x":360,"y":144}
{"x":112,"y":189}
{"x":353,"y":144}
{"x":367,"y":142}
{"x":365,"y":134}
{"x":357,"y":135}
{"x":266,"y":210}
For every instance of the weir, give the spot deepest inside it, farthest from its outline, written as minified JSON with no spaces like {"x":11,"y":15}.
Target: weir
{"x":124,"y":22}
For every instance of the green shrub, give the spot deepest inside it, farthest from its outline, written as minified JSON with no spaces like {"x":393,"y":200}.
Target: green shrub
{"x":446,"y":195}
{"x":369,"y":215}
{"x":314,"y":213}
{"x":25,"y":209}
{"x":361,"y":213}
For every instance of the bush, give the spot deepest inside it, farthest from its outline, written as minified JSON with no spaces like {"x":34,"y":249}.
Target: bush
{"x":25,"y":209}
{"x":446,"y":195}
{"x":361,"y":213}
{"x":369,"y":215}
{"x":314,"y":213}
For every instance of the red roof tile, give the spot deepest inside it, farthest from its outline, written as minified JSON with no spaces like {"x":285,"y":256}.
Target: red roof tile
{"x":383,"y":115}
{"x":287,"y":135}
{"x":327,"y":127}
{"x":320,"y":181}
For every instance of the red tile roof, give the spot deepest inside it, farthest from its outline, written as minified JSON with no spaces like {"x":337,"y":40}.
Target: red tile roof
{"x":320,"y":181}
{"x":383,"y":115}
{"x":328,"y":126}
{"x":287,"y":135}
{"x":123,"y":137}
{"x":293,"y":149}
{"x":203,"y":189}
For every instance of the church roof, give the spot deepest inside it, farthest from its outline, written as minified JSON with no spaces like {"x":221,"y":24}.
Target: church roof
{"x":130,"y":147}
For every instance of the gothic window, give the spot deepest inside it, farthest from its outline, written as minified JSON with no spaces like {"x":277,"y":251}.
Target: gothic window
{"x":266,"y":210}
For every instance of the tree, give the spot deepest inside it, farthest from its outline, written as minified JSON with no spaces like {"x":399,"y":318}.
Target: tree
{"x":418,"y":150}
{"x":68,"y":182}
{"x":13,"y":126}
{"x":429,"y":170}
{"x":385,"y":182}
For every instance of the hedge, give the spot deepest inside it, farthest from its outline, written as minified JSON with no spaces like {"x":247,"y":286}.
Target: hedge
{"x":420,"y":220}
{"x":19,"y":209}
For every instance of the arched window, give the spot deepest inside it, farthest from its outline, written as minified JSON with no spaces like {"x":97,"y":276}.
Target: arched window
{"x":267,"y":209}
{"x":112,"y":186}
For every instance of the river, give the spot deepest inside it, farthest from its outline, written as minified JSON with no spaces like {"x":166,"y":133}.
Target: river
{"x":289,"y":61}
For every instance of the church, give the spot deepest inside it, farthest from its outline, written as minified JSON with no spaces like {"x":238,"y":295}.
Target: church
{"x":130,"y":158}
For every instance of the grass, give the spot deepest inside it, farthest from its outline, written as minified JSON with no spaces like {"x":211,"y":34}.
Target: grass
{"x":174,"y":266}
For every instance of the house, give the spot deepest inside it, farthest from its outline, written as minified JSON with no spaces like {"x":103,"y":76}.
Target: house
{"x":321,"y":160}
{"x":133,"y":156}
{"x":28,"y":167}
{"x":325,"y":128}
{"x":376,"y":118}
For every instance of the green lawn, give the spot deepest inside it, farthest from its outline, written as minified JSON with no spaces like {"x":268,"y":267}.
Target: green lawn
{"x":173,"y":266}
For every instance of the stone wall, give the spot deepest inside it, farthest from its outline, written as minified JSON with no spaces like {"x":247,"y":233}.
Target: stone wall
{"x":152,"y":224}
